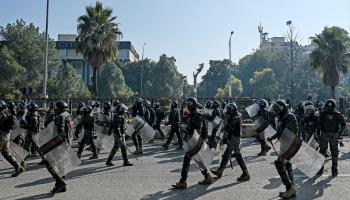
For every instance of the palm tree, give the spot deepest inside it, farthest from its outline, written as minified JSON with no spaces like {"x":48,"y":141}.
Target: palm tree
{"x":331,"y":55}
{"x":97,"y":37}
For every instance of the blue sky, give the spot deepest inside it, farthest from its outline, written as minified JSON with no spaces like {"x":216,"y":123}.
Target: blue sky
{"x":193,"y":31}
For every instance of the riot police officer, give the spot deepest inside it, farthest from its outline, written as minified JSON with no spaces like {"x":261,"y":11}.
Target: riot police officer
{"x":268,"y":117}
{"x":331,"y":125}
{"x":63,"y":125}
{"x":232,"y":137}
{"x":174,"y":119}
{"x":150,"y":115}
{"x":195,"y":122}
{"x":32,"y":125}
{"x":138,"y":109}
{"x":118,"y":129}
{"x":216,"y":113}
{"x":79,"y":117}
{"x":7,"y":123}
{"x":160,"y":115}
{"x":89,"y":133}
{"x":286,"y":120}
{"x":308,"y":123}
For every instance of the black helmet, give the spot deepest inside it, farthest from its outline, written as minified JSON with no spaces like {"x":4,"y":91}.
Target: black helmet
{"x":138,"y":100}
{"x":330,"y":105}
{"x":22,"y":106}
{"x":61,"y":105}
{"x":231,"y":108}
{"x":116,"y":103}
{"x":107,"y":106}
{"x":147,"y":103}
{"x":87,"y":109}
{"x":216,"y":104}
{"x":11,"y":105}
{"x":308,"y":103}
{"x":32,"y":107}
{"x":223,"y":105}
{"x":51,"y":105}
{"x":262,"y":103}
{"x":157,"y":105}
{"x":91,"y":103}
{"x":192,"y":104}
{"x":279,"y":107}
{"x":97,"y":104}
{"x":208,"y":104}
{"x":174,"y":104}
{"x":80,"y":105}
{"x":2,"y":105}
{"x":309,"y":110}
{"x":121,"y":109}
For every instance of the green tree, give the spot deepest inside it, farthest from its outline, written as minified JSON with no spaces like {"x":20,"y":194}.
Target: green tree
{"x":236,"y":89}
{"x":97,"y":36}
{"x":216,"y":77}
{"x":264,"y":83}
{"x":67,"y":84}
{"x":331,"y":55}
{"x":11,"y":74}
{"x":26,"y":42}
{"x":160,"y":79}
{"x":112,"y":82}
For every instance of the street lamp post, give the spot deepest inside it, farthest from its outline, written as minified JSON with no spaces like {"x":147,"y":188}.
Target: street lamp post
{"x":229,"y":86}
{"x":46,"y":51}
{"x":143,"y":51}
{"x":291,"y":49}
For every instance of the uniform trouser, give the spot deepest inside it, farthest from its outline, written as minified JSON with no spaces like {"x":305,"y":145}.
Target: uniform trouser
{"x":175,"y":129}
{"x":4,"y":148}
{"x":233,"y":146}
{"x":29,"y":143}
{"x":306,"y":136}
{"x":137,"y":140}
{"x":88,"y":139}
{"x":118,"y":144}
{"x":157,"y":127}
{"x":186,"y":167}
{"x":284,"y":169}
{"x":261,"y":139}
{"x":212,"y":139}
{"x":331,"y":139}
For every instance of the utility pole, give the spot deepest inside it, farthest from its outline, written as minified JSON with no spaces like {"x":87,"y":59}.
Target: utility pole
{"x":46,"y":52}
{"x":230,"y":66}
{"x":143,"y":51}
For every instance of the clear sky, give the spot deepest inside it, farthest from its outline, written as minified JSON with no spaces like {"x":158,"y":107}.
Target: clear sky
{"x":193,"y":31}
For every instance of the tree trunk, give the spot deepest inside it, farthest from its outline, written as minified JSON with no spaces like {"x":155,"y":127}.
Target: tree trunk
{"x":94,"y":82}
{"x":333,"y":92}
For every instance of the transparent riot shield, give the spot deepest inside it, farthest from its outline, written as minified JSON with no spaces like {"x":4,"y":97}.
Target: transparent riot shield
{"x":143,"y":128}
{"x":18,"y":152}
{"x":56,"y":150}
{"x":252,"y":110}
{"x":260,"y":124}
{"x":313,"y":142}
{"x":205,"y":111}
{"x":299,"y":153}
{"x":199,"y":151}
{"x":103,"y":141}
{"x":129,"y":129}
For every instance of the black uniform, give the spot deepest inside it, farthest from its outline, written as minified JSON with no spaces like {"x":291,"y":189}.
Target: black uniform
{"x":88,"y":124}
{"x":139,"y":110}
{"x":173,"y":121}
{"x":117,"y":127}
{"x":308,"y":126}
{"x":216,"y":113}
{"x":269,"y":118}
{"x":285,"y":120}
{"x":331,"y":125}
{"x":7,"y":122}
{"x":232,"y":137}
{"x":33,"y":127}
{"x":159,"y":117}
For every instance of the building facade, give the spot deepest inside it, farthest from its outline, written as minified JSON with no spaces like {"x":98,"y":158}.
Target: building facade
{"x":66,"y":50}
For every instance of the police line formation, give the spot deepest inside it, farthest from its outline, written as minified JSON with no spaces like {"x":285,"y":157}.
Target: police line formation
{"x":298,"y":137}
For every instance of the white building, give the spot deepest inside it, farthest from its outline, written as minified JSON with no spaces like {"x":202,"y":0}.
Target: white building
{"x":66,"y":46}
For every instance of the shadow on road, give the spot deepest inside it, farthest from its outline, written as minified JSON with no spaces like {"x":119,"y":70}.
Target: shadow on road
{"x":38,"y":196}
{"x":192,"y":192}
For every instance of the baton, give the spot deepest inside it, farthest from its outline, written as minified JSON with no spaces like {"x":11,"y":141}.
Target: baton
{"x":274,"y":149}
{"x":127,"y":148}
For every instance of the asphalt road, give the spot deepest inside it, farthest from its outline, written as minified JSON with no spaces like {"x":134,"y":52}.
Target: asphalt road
{"x":151,"y":178}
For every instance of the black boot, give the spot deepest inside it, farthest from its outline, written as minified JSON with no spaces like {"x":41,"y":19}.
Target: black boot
{"x":245,"y":175}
